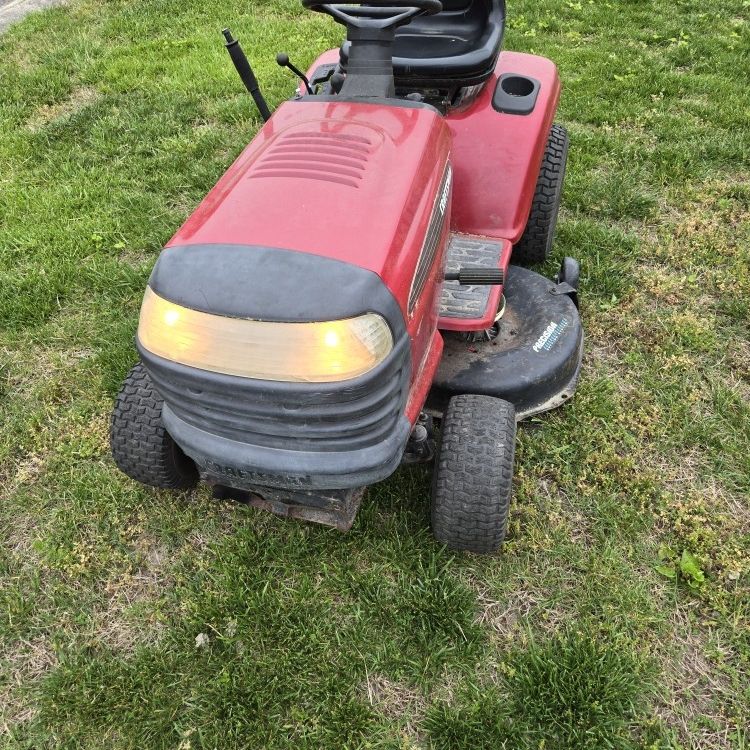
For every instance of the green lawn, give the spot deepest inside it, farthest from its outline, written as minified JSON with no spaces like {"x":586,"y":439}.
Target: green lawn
{"x":618,"y":614}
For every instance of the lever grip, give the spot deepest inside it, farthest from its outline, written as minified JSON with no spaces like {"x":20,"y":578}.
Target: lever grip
{"x":242,"y":65}
{"x":477,"y":276}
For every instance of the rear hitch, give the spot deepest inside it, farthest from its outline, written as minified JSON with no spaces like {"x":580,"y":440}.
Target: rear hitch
{"x":245,"y":72}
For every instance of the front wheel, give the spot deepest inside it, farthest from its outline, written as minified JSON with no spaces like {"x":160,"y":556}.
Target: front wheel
{"x":473,"y":473}
{"x":141,"y":446}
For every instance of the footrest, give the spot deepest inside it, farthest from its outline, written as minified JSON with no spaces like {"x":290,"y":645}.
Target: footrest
{"x":471,"y":308}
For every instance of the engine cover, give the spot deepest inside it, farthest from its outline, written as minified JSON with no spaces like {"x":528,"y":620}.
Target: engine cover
{"x":350,"y":181}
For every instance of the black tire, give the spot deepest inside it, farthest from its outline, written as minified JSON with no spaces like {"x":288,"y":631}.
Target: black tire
{"x":473,"y":473}
{"x":535,"y":244}
{"x":141,"y":446}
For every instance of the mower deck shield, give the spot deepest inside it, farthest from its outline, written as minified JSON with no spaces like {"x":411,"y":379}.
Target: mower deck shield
{"x":535,"y":360}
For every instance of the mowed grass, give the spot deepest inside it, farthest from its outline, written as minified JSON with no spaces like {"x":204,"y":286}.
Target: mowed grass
{"x":618,"y":614}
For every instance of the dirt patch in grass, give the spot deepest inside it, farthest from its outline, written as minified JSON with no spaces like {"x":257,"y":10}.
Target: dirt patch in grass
{"x":398,"y":703}
{"x":81,"y":97}
{"x":507,"y":613}
{"x":129,"y":616}
{"x":505,"y":617}
{"x":22,"y":665}
{"x":28,"y":470}
{"x":35,"y":369}
{"x":18,"y":538}
{"x":137,"y":258}
{"x":562,"y":513}
{"x":736,"y":375}
{"x":697,"y":695}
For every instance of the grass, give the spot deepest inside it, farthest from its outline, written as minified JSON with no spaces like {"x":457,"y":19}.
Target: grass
{"x":618,"y":614}
{"x":572,"y":691}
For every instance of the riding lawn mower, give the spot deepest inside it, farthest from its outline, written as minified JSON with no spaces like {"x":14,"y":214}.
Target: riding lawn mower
{"x":343,"y":301}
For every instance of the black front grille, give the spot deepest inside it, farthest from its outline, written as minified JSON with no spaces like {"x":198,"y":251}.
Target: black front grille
{"x":348,"y":415}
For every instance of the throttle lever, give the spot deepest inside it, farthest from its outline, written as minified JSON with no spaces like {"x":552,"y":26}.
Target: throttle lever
{"x":282,"y":60}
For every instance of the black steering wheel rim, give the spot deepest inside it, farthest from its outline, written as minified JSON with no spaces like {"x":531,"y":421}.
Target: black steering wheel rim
{"x":375,"y":13}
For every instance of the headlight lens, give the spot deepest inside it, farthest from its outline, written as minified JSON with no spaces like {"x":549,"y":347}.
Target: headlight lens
{"x":298,"y":352}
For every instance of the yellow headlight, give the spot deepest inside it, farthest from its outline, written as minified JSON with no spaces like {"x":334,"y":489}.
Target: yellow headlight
{"x":300,"y":352}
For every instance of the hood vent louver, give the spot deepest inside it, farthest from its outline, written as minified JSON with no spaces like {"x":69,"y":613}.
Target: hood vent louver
{"x":330,"y":157}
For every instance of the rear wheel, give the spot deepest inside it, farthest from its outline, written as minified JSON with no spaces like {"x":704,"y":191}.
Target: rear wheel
{"x":536,"y":242}
{"x":473,"y":473}
{"x":141,"y":446}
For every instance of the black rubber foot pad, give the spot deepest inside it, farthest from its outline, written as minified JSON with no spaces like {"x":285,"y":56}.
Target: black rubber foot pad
{"x":468,"y":302}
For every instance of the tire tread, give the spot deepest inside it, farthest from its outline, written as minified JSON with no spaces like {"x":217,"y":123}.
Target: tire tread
{"x":535,"y":244}
{"x":473,"y":474}
{"x":141,"y":446}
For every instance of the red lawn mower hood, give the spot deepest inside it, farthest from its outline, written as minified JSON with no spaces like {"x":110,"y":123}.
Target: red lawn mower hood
{"x":349,"y":181}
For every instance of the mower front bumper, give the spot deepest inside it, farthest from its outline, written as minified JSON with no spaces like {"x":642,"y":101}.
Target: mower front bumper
{"x":251,"y":434}
{"x":249,"y":467}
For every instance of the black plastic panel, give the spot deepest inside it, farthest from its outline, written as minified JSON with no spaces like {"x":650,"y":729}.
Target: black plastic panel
{"x":535,"y":360}
{"x":305,"y":435}
{"x":350,"y":414}
{"x":249,"y":281}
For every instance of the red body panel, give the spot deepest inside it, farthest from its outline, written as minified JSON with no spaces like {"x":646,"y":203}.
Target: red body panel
{"x":351,"y":181}
{"x":422,"y":382}
{"x":496,"y":156}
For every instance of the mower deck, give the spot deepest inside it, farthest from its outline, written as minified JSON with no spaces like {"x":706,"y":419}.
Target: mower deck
{"x":533,"y":361}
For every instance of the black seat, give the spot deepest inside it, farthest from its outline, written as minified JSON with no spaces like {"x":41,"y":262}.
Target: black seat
{"x":454,"y":48}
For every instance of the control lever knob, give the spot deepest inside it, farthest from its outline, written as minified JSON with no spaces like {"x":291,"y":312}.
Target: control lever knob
{"x":477,"y":276}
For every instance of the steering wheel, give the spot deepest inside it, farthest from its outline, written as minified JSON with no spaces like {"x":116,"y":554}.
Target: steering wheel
{"x":376,"y":14}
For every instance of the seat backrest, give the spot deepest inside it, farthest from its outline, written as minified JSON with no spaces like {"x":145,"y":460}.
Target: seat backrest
{"x":470,"y":21}
{"x":474,"y":15}
{"x":456,"y":47}
{"x":482,"y":6}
